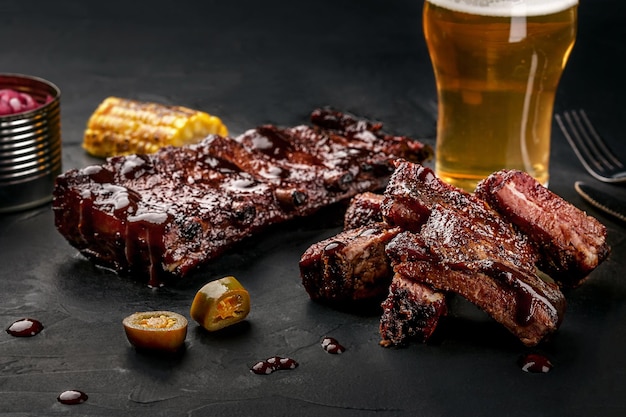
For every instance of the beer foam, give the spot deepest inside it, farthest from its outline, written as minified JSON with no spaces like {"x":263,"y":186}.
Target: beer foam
{"x":506,"y":8}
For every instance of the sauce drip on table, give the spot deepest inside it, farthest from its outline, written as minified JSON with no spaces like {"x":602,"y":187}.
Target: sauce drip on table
{"x":331,"y":345}
{"x":275,"y":363}
{"x":25,"y":328}
{"x":72,"y":397}
{"x":535,"y":363}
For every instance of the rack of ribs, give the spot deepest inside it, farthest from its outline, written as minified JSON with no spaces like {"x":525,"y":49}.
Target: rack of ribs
{"x":454,"y":242}
{"x":160,"y":216}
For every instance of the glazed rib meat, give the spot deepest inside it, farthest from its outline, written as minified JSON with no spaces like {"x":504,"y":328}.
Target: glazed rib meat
{"x":411,"y":311}
{"x":349,"y":268}
{"x":364,"y":209}
{"x":146,"y":218}
{"x":485,"y":247}
{"x":455,"y":242}
{"x":571,"y":244}
{"x":455,"y":254}
{"x":414,"y":190}
{"x":162,"y":215}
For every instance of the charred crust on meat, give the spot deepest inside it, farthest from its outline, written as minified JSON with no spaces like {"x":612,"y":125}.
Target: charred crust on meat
{"x":244,"y":213}
{"x":328,"y":118}
{"x":299,"y":198}
{"x":338,"y":182}
{"x":349,"y":268}
{"x":363,"y":209}
{"x":190,"y":229}
{"x":291,"y":199}
{"x":411,"y":312}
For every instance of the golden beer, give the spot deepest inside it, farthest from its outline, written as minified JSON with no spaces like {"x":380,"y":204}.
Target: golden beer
{"x":497,"y":64}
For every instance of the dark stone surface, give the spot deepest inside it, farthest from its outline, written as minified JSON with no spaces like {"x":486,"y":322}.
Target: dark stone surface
{"x":274,"y":61}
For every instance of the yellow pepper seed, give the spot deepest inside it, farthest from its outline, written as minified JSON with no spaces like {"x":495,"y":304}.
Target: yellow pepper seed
{"x":229,"y":307}
{"x":161,"y":322}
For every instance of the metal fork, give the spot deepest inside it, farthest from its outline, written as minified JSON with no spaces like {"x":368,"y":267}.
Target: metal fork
{"x":590,"y":148}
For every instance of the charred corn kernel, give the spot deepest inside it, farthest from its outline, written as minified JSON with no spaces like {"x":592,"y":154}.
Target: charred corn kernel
{"x":122,"y":126}
{"x":156,"y":330}
{"x":220,"y":303}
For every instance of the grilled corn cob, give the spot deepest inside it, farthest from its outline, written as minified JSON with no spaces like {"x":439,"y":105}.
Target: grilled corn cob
{"x":121,"y":126}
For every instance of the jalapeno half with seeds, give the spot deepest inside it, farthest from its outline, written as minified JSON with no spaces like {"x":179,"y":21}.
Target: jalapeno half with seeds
{"x":156,"y":330}
{"x":220,"y":303}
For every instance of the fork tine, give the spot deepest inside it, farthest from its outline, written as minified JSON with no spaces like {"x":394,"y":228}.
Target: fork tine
{"x":575,"y":140}
{"x":606,"y":155}
{"x":584,"y":140}
{"x":590,"y":148}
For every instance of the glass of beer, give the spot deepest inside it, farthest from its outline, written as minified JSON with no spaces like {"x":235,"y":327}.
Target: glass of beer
{"x":497,"y":64}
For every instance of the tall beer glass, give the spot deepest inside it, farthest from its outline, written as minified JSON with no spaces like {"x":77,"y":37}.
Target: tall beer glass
{"x":497,"y":64}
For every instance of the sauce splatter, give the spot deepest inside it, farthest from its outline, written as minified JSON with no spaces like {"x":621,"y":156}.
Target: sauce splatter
{"x":72,"y":397}
{"x":25,"y":328}
{"x":331,"y":345}
{"x":275,"y":363}
{"x":333,"y":247}
{"x":535,"y":363}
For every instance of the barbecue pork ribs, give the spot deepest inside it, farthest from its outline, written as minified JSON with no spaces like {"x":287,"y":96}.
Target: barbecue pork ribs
{"x":160,"y":216}
{"x":486,"y":247}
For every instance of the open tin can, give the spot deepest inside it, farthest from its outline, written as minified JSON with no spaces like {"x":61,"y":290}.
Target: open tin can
{"x":30,"y":145}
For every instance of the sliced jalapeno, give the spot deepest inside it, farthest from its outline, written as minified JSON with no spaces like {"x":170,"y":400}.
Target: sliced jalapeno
{"x":220,"y":303}
{"x":156,"y":330}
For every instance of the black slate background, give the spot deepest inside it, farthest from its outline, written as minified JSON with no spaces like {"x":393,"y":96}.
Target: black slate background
{"x":273,"y":62}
